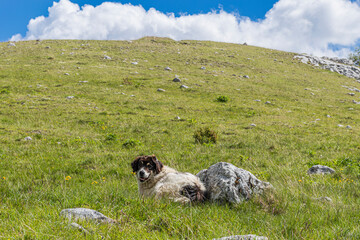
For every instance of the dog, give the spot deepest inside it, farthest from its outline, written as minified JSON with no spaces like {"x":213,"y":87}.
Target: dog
{"x":159,"y":181}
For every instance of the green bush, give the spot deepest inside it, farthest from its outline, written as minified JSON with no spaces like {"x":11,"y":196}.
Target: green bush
{"x":129,"y":143}
{"x":205,"y":135}
{"x":222,"y":99}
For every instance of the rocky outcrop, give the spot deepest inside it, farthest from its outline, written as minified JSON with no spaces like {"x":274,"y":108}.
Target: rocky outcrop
{"x":225,"y":182}
{"x":342,"y":66}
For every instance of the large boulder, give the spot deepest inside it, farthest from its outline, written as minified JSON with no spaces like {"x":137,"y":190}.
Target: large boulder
{"x":225,"y":182}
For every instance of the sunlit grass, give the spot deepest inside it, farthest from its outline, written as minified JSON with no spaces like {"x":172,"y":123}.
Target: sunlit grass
{"x":82,"y":147}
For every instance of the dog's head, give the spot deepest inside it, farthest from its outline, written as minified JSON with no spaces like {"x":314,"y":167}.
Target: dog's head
{"x":146,"y":167}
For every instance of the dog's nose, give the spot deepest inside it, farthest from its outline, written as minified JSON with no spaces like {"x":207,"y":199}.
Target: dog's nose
{"x":141,"y":173}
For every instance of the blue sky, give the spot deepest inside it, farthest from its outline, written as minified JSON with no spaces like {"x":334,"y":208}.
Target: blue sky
{"x":319,"y":27}
{"x":16,"y":14}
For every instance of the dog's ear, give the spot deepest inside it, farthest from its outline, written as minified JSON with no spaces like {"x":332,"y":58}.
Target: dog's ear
{"x":158,"y":164}
{"x":135,"y":164}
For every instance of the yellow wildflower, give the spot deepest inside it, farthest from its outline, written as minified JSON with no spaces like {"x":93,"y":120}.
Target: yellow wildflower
{"x":300,"y":180}
{"x":4,"y":178}
{"x":67,"y":178}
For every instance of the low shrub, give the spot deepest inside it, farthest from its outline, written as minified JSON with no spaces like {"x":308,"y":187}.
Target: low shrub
{"x":205,"y":135}
{"x":222,"y":99}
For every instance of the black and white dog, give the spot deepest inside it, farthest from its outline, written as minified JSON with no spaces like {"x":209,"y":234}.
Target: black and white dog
{"x":155,"y":179}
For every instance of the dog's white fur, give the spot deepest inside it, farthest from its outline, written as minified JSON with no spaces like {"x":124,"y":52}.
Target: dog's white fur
{"x":169,"y":183}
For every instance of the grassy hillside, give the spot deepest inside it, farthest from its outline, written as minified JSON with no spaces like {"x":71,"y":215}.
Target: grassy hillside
{"x":82,"y":147}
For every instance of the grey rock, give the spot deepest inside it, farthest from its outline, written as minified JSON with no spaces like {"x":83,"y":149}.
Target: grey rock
{"x":267,"y":102}
{"x":323,"y":199}
{"x":83,"y":81}
{"x":107,"y":57}
{"x":253,"y":125}
{"x":28,"y":138}
{"x":67,"y":74}
{"x":85,"y":214}
{"x":227,"y":183}
{"x":69,"y":97}
{"x":246,"y":76}
{"x":242,"y":237}
{"x":134,"y":63}
{"x":348,"y":127}
{"x":177,"y":118}
{"x":176,"y":80}
{"x":11,"y":45}
{"x":203,"y":68}
{"x":168,"y":69}
{"x":320,"y":169}
{"x":160,"y":90}
{"x":79,"y":227}
{"x":184,"y":86}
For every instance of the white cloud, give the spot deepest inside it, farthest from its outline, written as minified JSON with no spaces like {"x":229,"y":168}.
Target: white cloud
{"x":291,"y":25}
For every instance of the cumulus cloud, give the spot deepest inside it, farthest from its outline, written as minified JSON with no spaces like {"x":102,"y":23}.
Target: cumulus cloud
{"x":311,"y":26}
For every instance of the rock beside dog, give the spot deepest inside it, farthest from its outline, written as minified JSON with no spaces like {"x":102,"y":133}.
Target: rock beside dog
{"x":225,"y":182}
{"x":242,"y":237}
{"x":85,"y":214}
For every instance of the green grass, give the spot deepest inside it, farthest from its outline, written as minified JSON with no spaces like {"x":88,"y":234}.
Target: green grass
{"x":82,"y":148}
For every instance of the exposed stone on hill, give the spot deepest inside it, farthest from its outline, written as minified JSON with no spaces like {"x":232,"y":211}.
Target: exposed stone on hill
{"x":168,"y":69}
{"x":107,"y":57}
{"x":160,"y":90}
{"x":85,"y":214}
{"x":320,"y":169}
{"x":184,"y":86}
{"x":242,"y":237}
{"x":28,"y":138}
{"x":246,"y":76}
{"x":227,"y":183}
{"x":11,"y":45}
{"x":323,"y":199}
{"x":342,"y":66}
{"x":176,"y":80}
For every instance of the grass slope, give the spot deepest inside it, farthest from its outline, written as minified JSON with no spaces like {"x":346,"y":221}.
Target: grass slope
{"x":82,"y":147}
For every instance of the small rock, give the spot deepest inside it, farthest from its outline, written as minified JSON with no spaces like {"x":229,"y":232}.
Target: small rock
{"x":253,"y":125}
{"x":348,"y":127}
{"x":79,"y":227}
{"x":85,"y":214}
{"x":28,"y":138}
{"x":351,"y":94}
{"x":107,"y":57}
{"x":323,"y":199}
{"x":177,"y":118}
{"x":320,"y":169}
{"x":246,"y":76}
{"x":134,"y":63}
{"x":160,"y":90}
{"x":132,"y":95}
{"x":203,"y":68}
{"x":257,"y":100}
{"x":176,"y":80}
{"x":83,"y":81}
{"x":242,"y":237}
{"x":184,"y":86}
{"x":67,"y":74}
{"x":11,"y":45}
{"x":267,"y":102}
{"x":339,"y":125}
{"x":70,"y":97}
{"x":168,"y":69}
{"x":328,"y":116}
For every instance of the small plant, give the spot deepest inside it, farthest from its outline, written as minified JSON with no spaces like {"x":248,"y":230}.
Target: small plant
{"x":110,"y":137}
{"x":222,"y":99}
{"x":130,"y":143}
{"x":205,"y":135}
